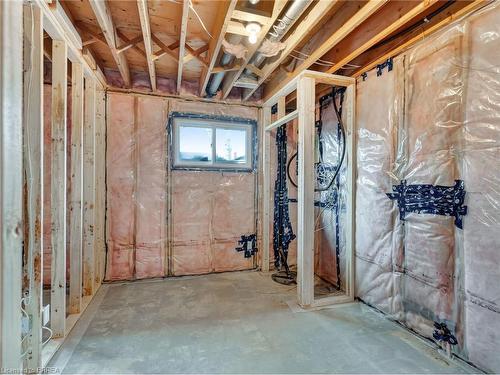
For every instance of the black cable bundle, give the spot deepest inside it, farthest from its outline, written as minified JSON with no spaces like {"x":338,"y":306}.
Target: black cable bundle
{"x":282,"y":227}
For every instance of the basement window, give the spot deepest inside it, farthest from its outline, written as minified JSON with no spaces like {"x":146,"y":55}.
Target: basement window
{"x":212,"y":143}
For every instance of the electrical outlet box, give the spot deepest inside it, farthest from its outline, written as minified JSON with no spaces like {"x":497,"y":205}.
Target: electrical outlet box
{"x":45,"y":314}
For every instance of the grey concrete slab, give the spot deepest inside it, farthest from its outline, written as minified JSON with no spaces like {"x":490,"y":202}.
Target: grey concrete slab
{"x":240,"y":323}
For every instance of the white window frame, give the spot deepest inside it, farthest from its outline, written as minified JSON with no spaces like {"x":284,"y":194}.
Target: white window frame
{"x":213,"y":124}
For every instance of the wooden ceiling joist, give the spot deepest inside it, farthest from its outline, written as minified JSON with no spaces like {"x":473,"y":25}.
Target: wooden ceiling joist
{"x":392,"y":26}
{"x":131,"y":43}
{"x":319,"y":9}
{"x":103,"y":16}
{"x":164,"y":49}
{"x":250,"y":17}
{"x":195,"y":54}
{"x":276,"y":84}
{"x":218,"y":33}
{"x":424,"y":33}
{"x":142,"y":5}
{"x":182,"y":43}
{"x":231,"y":77}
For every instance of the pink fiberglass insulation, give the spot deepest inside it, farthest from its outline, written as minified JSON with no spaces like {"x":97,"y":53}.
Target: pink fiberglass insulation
{"x":136,"y":152}
{"x":432,"y":126}
{"x":482,"y":178}
{"x":432,"y":120}
{"x":150,"y":198}
{"x":209,"y":210}
{"x":120,"y":162}
{"x":377,"y":247}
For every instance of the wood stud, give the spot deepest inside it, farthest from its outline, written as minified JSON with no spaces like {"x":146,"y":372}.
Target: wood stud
{"x":58,"y":177}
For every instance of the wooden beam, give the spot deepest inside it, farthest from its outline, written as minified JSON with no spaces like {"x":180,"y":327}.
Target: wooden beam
{"x":231,"y":78}
{"x":393,"y":10}
{"x":132,"y":42}
{"x":11,"y":182}
{"x":218,"y":69}
{"x":58,"y":178}
{"x":420,"y":36}
{"x":363,"y":14}
{"x":255,"y":70}
{"x":88,"y":187}
{"x":142,"y":5}
{"x":195,"y":54}
{"x":75,"y":201}
{"x":99,"y":37}
{"x":247,"y":16}
{"x":103,"y":16}
{"x":235,"y":27}
{"x":164,"y":49}
{"x":100,"y":187}
{"x":33,"y":167}
{"x":218,"y":33}
{"x":266,"y":188}
{"x":127,"y":40}
{"x":350,"y":221}
{"x":59,"y":27}
{"x":182,"y":43}
{"x":282,"y":120}
{"x":305,"y":194}
{"x":319,"y":10}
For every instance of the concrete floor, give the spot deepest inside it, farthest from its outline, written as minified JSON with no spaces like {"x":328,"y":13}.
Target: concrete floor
{"x":235,"y":323}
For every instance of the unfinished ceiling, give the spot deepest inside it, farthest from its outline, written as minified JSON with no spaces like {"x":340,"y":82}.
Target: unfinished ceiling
{"x":203,"y":48}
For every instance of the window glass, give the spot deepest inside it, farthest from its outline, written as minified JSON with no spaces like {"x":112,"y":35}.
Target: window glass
{"x":231,"y":145}
{"x":212,"y":143}
{"x":195,"y":144}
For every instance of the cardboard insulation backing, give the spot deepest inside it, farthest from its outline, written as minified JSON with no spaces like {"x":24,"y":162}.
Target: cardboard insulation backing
{"x":434,"y":119}
{"x":170,"y":222}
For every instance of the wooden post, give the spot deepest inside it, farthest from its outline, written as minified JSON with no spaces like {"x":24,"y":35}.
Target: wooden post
{"x":75,"y":203}
{"x":88,"y":188}
{"x":58,"y":188}
{"x":11,"y":182}
{"x":351,"y":189}
{"x":33,"y":167}
{"x":305,"y":226}
{"x":266,"y":188}
{"x":100,"y":171}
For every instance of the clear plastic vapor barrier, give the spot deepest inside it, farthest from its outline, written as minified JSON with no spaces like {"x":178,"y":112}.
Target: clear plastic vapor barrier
{"x":428,"y":188}
{"x":172,"y":221}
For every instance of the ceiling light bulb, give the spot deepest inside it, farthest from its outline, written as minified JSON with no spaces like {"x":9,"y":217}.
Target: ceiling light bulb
{"x":252,"y":38}
{"x":253,"y":2}
{"x":252,"y":28}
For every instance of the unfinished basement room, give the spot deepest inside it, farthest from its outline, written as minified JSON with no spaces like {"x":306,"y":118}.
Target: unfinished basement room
{"x":249,"y":186}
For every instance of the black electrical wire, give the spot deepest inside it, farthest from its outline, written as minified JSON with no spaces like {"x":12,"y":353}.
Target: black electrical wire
{"x":342,"y":131}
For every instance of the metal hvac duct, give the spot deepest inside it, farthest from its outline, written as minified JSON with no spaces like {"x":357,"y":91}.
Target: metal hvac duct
{"x":277,"y":32}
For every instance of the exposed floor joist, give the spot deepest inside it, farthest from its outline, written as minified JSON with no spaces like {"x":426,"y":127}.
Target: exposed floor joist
{"x":218,"y":33}
{"x":103,"y":15}
{"x":319,"y":9}
{"x":376,"y":57}
{"x":182,"y":43}
{"x":390,"y":19}
{"x":231,"y":77}
{"x":277,"y":83}
{"x":142,"y":5}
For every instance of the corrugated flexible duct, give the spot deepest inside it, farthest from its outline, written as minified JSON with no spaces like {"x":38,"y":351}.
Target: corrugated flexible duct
{"x":277,"y":32}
